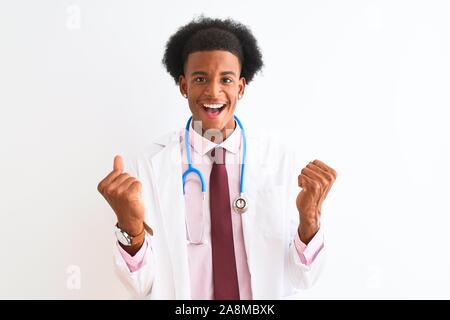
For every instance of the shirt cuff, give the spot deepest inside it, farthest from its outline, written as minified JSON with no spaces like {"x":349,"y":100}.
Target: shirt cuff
{"x":134,"y":262}
{"x":308,"y":253}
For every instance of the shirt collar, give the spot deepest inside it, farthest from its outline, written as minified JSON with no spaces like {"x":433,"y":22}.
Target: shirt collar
{"x":202,"y":145}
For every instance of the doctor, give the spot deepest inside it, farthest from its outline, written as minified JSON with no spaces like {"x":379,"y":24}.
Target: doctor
{"x":207,"y":212}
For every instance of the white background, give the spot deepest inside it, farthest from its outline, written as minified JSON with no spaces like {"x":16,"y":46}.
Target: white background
{"x":362,"y":85}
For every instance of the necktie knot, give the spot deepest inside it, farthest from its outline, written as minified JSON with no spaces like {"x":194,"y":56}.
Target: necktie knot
{"x":218,"y":155}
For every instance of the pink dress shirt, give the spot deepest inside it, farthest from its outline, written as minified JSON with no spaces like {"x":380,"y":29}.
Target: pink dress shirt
{"x":198,"y":220}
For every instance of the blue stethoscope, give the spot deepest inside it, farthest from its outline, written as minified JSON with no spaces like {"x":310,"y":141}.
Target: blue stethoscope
{"x":240,"y":204}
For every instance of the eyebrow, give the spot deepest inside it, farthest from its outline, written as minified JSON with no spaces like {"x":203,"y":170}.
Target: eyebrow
{"x":205,"y":73}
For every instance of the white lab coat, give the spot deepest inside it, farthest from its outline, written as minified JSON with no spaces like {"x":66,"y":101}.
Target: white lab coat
{"x":269,"y":225}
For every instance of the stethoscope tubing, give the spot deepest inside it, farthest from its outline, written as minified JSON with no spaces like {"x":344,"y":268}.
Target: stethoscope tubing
{"x":192,"y":169}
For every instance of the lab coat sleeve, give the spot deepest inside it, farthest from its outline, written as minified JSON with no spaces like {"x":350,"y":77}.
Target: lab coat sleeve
{"x":137,"y":280}
{"x":302,"y":274}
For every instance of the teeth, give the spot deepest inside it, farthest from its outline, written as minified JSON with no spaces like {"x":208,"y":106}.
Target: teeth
{"x":213,"y":106}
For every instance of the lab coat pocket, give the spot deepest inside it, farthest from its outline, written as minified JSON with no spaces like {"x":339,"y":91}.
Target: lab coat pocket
{"x":270,"y":206}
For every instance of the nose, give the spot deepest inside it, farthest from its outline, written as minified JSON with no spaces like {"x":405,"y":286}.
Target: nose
{"x":213,"y":89}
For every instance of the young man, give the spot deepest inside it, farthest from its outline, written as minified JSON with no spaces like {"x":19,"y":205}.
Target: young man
{"x":229,"y":231}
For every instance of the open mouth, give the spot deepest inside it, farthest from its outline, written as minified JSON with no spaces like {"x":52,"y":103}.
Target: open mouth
{"x":213,"y":109}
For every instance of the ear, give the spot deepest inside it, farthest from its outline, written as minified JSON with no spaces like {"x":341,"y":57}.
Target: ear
{"x":183,"y":85}
{"x":242,"y":84}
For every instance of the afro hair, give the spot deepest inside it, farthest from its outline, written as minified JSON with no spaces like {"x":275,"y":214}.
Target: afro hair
{"x":206,"y":34}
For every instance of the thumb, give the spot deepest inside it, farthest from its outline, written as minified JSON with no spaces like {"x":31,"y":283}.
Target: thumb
{"x":302,"y":181}
{"x":118,"y":163}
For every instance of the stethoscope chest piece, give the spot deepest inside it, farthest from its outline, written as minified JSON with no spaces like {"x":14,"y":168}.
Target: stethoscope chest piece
{"x":240,"y":205}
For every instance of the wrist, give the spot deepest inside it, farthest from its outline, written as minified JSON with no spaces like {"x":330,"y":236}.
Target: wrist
{"x":306,"y":231}
{"x":130,"y":243}
{"x":132,"y":228}
{"x":133,"y":249}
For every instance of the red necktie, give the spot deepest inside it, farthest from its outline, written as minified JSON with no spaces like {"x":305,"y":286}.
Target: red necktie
{"x":223,"y":260}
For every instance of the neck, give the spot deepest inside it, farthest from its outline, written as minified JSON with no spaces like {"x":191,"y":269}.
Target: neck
{"x":212,"y":134}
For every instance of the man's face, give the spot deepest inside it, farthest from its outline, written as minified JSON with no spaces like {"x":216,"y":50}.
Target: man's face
{"x":211,"y":80}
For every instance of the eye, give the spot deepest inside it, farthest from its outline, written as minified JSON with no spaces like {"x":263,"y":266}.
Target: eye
{"x":227,"y":80}
{"x":199,"y":79}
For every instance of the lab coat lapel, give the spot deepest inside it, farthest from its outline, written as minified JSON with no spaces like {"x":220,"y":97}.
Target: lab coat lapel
{"x":167,"y":172}
{"x":249,"y":218}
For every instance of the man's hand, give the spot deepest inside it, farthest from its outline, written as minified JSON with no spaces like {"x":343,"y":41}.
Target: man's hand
{"x":123,"y":193}
{"x":316,"y":180}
